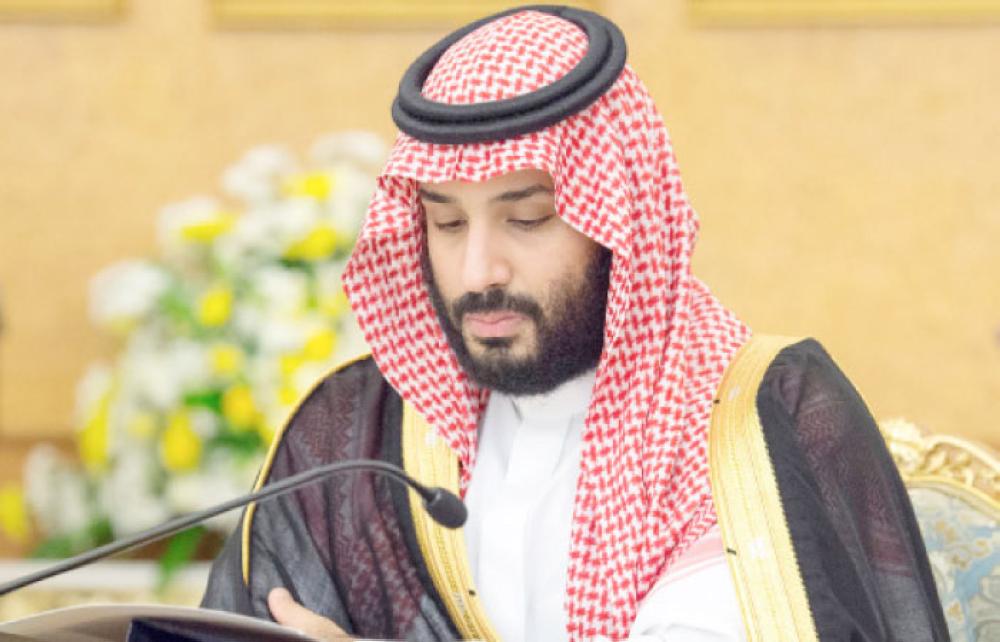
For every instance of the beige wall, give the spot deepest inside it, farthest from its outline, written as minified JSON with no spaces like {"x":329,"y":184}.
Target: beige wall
{"x":846,"y":177}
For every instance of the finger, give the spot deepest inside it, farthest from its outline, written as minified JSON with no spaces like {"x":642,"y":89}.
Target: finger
{"x":288,"y":612}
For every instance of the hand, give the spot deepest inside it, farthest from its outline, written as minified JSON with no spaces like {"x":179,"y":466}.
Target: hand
{"x":288,"y":612}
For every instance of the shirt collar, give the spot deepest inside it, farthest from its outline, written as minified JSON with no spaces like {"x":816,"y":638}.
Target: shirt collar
{"x":567,"y":399}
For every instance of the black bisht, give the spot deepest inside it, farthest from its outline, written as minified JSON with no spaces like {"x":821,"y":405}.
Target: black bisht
{"x":346,"y":548}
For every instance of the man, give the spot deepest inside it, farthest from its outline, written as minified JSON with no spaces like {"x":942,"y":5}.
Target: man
{"x":540,"y":344}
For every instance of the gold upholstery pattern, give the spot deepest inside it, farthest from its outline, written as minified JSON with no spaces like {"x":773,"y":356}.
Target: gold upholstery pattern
{"x":954,"y":486}
{"x":945,"y":462}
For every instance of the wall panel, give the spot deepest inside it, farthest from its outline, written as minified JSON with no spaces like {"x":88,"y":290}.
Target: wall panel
{"x":845,"y":176}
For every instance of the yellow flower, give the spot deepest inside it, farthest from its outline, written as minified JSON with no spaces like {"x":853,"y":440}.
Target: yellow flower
{"x":226,"y":359}
{"x":319,"y":244}
{"x":316,"y":185}
{"x":319,"y":345}
{"x":180,"y":445}
{"x":266,"y":433}
{"x":215,"y":306}
{"x":287,"y":394}
{"x":289,"y":363}
{"x":238,"y":407}
{"x":334,"y":305}
{"x":142,"y":425}
{"x":206,"y":231}
{"x":93,"y":440}
{"x":14,"y":519}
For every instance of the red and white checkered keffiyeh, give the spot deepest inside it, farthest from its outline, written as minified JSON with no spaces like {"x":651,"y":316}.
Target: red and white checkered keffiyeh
{"x":643,"y":494}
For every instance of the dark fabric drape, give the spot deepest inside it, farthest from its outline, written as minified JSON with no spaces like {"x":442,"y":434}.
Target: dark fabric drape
{"x":346,"y":548}
{"x":857,"y":542}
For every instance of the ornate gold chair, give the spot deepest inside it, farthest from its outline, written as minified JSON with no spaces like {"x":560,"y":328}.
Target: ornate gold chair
{"x":955,"y":489}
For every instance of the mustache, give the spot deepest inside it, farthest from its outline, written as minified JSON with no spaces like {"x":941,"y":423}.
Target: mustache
{"x":496,"y":300}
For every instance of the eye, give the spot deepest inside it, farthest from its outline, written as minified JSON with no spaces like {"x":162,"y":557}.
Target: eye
{"x":528,"y":223}
{"x":450,"y":226}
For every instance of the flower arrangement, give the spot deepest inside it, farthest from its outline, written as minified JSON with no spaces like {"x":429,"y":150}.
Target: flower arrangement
{"x":221,"y":336}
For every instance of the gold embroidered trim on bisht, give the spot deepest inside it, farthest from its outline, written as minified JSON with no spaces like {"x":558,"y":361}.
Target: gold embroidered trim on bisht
{"x":265,"y":469}
{"x":427,"y":458}
{"x":754,"y":530}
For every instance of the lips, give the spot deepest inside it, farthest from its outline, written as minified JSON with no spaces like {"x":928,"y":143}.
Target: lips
{"x":494,"y":324}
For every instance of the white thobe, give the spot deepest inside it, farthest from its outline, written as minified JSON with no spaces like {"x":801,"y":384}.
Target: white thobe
{"x":520,"y":507}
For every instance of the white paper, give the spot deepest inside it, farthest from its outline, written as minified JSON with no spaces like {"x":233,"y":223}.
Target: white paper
{"x":102,"y":622}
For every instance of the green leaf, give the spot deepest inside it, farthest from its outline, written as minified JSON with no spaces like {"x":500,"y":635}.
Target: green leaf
{"x":178,"y":554}
{"x":176,"y":305}
{"x":99,"y":532}
{"x":295,"y":264}
{"x":211,"y":399}
{"x":53,"y":548}
{"x":242,"y":442}
{"x":94,"y":534}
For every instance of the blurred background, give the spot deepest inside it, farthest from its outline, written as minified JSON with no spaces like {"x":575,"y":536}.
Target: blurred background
{"x":843,"y":158}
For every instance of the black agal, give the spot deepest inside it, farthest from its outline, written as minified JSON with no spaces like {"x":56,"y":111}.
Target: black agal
{"x":436,"y":122}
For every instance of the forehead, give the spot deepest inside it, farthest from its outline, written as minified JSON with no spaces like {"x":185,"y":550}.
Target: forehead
{"x":470,"y":190}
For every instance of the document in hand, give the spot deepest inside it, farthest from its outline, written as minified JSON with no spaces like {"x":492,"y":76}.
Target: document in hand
{"x":144,"y":622}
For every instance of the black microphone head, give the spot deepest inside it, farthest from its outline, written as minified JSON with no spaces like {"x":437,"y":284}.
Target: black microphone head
{"x":445,"y":508}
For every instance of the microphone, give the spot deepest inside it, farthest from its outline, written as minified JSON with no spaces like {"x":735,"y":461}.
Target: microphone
{"x":442,"y":505}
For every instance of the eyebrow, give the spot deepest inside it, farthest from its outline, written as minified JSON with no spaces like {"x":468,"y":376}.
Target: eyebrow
{"x":505,"y":197}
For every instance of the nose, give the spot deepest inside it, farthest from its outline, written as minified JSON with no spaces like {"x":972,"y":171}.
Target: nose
{"x":486,"y":264}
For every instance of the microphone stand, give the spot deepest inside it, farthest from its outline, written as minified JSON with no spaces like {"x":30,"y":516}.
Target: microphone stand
{"x":444,"y":507}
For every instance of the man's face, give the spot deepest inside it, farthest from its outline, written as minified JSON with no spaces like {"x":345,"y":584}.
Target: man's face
{"x":521,"y":295}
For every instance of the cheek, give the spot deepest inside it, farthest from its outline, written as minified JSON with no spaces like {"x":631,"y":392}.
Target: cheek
{"x":444,"y":268}
{"x":563,"y":262}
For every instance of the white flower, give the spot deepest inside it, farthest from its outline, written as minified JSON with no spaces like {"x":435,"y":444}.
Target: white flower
{"x":353,"y":147}
{"x":282,"y":291}
{"x":264,"y":373}
{"x":349,"y":200}
{"x":276,"y":336}
{"x":305,"y":378}
{"x":255,"y":178}
{"x":251,"y":238}
{"x":128,"y":493}
{"x":56,"y":493}
{"x":265,"y":232}
{"x":125,"y":292}
{"x":94,"y":385}
{"x":268,"y":384}
{"x":160,"y":374}
{"x":271,"y":335}
{"x":205,"y":423}
{"x":177,"y":219}
{"x":328,"y":277}
{"x":294,"y":219}
{"x":283,"y":324}
{"x":222,"y":478}
{"x":351,"y":341}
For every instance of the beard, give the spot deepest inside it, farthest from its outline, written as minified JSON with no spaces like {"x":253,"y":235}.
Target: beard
{"x":569,"y":330}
